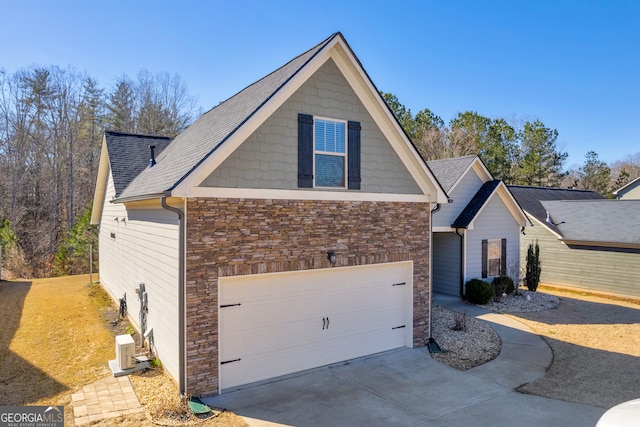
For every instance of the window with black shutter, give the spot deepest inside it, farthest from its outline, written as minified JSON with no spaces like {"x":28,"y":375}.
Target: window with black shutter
{"x":328,"y":153}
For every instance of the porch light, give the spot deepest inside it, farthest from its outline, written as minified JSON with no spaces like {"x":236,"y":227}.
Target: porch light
{"x":331,"y":256}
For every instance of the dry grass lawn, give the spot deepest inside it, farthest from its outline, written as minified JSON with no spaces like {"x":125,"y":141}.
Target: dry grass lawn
{"x":55,"y":339}
{"x":596,"y":348}
{"x":52,"y":342}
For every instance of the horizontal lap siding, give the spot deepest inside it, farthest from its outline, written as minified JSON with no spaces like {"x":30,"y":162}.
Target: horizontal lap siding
{"x":232,"y":237}
{"x":494,"y":222}
{"x":145,"y":250}
{"x":461,"y":195}
{"x":446,"y":263}
{"x":596,"y":269}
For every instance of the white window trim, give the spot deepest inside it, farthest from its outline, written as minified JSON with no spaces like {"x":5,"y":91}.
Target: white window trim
{"x":344,"y":155}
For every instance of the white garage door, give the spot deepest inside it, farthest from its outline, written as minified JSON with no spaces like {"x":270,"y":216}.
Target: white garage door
{"x":276,"y":324}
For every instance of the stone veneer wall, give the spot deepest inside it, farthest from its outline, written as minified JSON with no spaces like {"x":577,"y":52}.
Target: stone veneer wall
{"x":230,"y":237}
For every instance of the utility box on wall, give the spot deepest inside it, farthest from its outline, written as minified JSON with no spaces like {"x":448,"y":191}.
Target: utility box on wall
{"x":125,"y":351}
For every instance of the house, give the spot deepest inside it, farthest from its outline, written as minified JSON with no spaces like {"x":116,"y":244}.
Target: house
{"x":629,"y":191}
{"x":287,"y":228}
{"x":586,"y":241}
{"x":477,"y":234}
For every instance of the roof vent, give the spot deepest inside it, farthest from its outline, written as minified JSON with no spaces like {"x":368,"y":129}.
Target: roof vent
{"x":152,"y":161}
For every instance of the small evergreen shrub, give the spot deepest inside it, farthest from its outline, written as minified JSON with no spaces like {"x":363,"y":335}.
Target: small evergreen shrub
{"x":502,"y":285}
{"x":478,"y":291}
{"x":532,"y":277}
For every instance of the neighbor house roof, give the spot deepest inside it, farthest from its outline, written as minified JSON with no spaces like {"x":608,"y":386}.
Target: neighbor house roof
{"x":450,"y":171}
{"x":596,"y":222}
{"x":475,"y":204}
{"x":530,"y":199}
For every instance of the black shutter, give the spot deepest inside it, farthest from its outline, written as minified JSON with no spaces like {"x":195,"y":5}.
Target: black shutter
{"x":503,"y":258}
{"x":305,"y":151}
{"x":485,"y":254}
{"x":354,"y":156}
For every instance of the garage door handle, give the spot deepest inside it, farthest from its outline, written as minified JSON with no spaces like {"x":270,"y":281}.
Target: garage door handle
{"x":327,"y":323}
{"x":230,"y":305}
{"x":324,"y":323}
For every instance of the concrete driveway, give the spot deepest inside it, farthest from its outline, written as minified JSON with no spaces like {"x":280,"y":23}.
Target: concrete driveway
{"x":407,"y":387}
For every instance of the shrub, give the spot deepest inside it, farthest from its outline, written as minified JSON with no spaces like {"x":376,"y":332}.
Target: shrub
{"x":502,"y":285}
{"x":478,"y":291}
{"x":532,"y":277}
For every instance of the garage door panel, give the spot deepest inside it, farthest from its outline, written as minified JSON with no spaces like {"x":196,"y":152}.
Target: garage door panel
{"x":289,"y":322}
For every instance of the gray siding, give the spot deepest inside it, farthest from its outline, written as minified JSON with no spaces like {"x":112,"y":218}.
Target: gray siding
{"x":596,"y":269}
{"x":269,"y":157}
{"x":446,"y":263}
{"x":144,"y":249}
{"x":461,"y":195}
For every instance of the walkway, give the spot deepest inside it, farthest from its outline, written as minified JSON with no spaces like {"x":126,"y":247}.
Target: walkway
{"x":106,"y":398}
{"x":524,"y":356}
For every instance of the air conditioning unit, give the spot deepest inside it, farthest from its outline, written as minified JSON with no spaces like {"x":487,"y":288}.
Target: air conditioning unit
{"x":125,"y":351}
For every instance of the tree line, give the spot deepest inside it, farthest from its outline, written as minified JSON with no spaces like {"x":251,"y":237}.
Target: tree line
{"x":52,"y":121}
{"x":517,"y":152}
{"x":51,"y":127}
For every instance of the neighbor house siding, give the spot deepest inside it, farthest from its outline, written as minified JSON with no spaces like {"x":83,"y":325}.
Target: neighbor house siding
{"x":232,"y":237}
{"x":461,"y":195}
{"x":633,"y":193}
{"x":269,"y":157}
{"x":446,"y":263}
{"x":597,"y":269}
{"x":144,"y":249}
{"x":494,"y":222}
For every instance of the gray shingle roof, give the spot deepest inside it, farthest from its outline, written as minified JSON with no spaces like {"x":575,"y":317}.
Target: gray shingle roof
{"x":530,"y":198}
{"x":448,"y":171}
{"x":129,"y":154}
{"x":193,"y":146}
{"x":475,"y":204}
{"x":603,"y":221}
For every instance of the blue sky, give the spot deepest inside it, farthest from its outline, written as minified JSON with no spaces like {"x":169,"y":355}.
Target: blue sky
{"x":575,"y":65}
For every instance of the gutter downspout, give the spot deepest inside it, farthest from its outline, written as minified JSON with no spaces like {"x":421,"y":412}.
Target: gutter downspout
{"x":435,"y":209}
{"x":181,"y":291}
{"x":462,"y":252}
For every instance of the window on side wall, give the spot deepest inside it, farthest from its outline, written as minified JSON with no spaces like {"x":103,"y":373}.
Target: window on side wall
{"x":494,"y":257}
{"x":330,"y":153}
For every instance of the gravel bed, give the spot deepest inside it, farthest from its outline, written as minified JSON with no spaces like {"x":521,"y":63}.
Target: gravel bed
{"x":477,"y":343}
{"x":524,"y":302}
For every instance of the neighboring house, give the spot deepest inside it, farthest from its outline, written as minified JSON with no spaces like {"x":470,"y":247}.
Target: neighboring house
{"x":285,"y":229}
{"x":586,"y":241}
{"x":477,"y":234}
{"x":629,"y":191}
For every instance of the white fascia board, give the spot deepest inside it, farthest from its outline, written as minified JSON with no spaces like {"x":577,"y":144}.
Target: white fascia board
{"x":275,"y":194}
{"x":104,"y":169}
{"x":443,"y":229}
